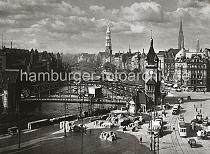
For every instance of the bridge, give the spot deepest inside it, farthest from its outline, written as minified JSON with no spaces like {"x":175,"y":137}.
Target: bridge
{"x":64,"y":95}
{"x":73,"y":100}
{"x":119,"y":88}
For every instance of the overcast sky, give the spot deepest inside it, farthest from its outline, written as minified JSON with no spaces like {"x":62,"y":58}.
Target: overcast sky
{"x":75,"y":26}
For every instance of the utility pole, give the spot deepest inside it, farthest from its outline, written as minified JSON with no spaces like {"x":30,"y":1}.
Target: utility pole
{"x":151,"y":132}
{"x":19,"y":129}
{"x":181,"y":74}
{"x":64,"y":116}
{"x":18,"y":92}
{"x":82,"y":129}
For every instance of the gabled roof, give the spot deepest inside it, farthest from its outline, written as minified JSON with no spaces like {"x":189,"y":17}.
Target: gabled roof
{"x":172,"y":52}
{"x":151,"y":81}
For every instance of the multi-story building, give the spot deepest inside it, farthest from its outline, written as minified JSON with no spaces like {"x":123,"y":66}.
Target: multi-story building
{"x":135,"y":61}
{"x":167,"y":63}
{"x":142,"y":62}
{"x":2,"y":61}
{"x":197,"y":68}
{"x":118,"y":60}
{"x":191,"y":70}
{"x":86,"y":57}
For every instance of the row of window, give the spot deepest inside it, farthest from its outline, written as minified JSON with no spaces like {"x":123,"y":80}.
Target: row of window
{"x":199,"y":76}
{"x":200,"y":82}
{"x":197,"y":66}
{"x":151,"y":87}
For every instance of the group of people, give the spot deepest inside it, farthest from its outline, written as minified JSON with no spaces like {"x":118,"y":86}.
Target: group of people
{"x":196,"y":109}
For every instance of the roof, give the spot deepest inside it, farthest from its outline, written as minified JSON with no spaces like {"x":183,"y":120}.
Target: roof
{"x":151,"y":81}
{"x":172,"y":51}
{"x":161,"y":53}
{"x":151,"y":56}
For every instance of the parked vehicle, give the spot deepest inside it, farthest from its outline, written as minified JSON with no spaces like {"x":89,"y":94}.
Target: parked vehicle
{"x":182,"y":129}
{"x":167,"y":106}
{"x":181,"y":117}
{"x":175,"y":112}
{"x":178,"y":90}
{"x":13,"y":130}
{"x":110,"y":136}
{"x":205,"y":123}
{"x":192,"y":143}
{"x":38,"y":124}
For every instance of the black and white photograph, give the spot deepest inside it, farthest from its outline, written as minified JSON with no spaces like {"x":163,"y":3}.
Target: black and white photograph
{"x":104,"y":76}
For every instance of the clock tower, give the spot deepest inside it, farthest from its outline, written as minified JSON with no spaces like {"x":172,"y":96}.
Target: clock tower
{"x":151,"y":76}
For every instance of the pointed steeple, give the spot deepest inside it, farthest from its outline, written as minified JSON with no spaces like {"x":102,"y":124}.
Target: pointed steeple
{"x":181,"y":36}
{"x":129,"y":49}
{"x":180,"y":26}
{"x":152,"y":58}
{"x":108,"y":45}
{"x":198,"y":46}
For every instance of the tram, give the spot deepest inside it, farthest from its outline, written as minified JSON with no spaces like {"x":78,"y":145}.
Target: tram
{"x":182,"y":129}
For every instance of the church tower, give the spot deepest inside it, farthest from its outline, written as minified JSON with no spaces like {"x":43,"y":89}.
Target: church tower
{"x":181,"y":37}
{"x":108,"y":44}
{"x":152,"y":81}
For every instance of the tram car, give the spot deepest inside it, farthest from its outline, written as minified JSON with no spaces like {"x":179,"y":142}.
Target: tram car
{"x":182,"y":129}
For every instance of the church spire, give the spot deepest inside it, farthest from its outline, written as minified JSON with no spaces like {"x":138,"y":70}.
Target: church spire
{"x":151,"y":40}
{"x":198,"y":46}
{"x":181,"y":36}
{"x":108,"y":40}
{"x":152,"y":58}
{"x":129,"y":49}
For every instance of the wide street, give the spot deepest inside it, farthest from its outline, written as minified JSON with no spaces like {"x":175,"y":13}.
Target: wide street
{"x":171,"y":142}
{"x":50,"y":139}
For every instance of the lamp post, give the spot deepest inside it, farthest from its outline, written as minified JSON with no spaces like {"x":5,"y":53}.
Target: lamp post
{"x":181,"y":75}
{"x":64,"y":116}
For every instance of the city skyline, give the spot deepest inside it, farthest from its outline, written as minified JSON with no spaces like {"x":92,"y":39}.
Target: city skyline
{"x":76,"y":26}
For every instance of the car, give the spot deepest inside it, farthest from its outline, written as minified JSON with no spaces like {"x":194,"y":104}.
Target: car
{"x":174,"y":112}
{"x":192,"y":143}
{"x":205,"y":123}
{"x":13,"y":130}
{"x":167,"y":106}
{"x":178,"y":90}
{"x":160,"y":120}
{"x":177,"y":105}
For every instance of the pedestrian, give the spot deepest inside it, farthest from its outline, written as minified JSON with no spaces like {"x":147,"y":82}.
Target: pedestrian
{"x":200,"y":110}
{"x":141,"y":140}
{"x":150,"y":146}
{"x":196,"y":109}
